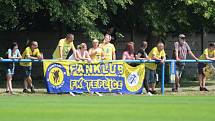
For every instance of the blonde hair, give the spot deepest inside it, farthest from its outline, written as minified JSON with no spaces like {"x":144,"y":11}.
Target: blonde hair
{"x":95,"y":40}
{"x":81,"y":45}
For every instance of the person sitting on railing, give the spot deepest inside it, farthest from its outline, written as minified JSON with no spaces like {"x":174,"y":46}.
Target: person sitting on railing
{"x":96,"y":52}
{"x":157,"y":53}
{"x":31,"y":52}
{"x":82,"y":53}
{"x":12,"y":53}
{"x":108,"y":48}
{"x":64,"y":46}
{"x":181,"y":49}
{"x":208,"y":54}
{"x":128,"y":53}
{"x":142,"y":55}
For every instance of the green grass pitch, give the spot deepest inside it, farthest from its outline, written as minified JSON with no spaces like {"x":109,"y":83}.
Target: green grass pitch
{"x":107,"y":108}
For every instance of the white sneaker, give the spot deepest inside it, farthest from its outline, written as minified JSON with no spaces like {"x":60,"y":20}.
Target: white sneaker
{"x":149,"y":94}
{"x":120,"y":93}
{"x":91,"y":93}
{"x":71,"y":93}
{"x":98,"y":94}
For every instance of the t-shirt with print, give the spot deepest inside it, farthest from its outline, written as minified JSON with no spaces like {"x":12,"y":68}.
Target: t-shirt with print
{"x":29,"y":52}
{"x":154,"y":51}
{"x":209,"y":53}
{"x":66,"y":48}
{"x":98,"y":55}
{"x":108,"y":50}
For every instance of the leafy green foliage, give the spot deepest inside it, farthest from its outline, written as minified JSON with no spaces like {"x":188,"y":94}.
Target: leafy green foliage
{"x":76,"y":14}
{"x":160,"y":17}
{"x":154,"y":16}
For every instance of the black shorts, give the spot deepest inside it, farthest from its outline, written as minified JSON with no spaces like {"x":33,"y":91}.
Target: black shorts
{"x":179,"y":69}
{"x":201,"y":67}
{"x":26,"y":71}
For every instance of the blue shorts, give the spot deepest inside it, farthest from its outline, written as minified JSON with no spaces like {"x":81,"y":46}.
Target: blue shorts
{"x":10,"y":71}
{"x":27,"y":71}
{"x":10,"y":67}
{"x":150,"y":76}
{"x":201,"y":66}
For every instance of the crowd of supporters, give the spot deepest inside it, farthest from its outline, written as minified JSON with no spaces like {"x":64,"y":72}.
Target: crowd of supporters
{"x":106,"y":51}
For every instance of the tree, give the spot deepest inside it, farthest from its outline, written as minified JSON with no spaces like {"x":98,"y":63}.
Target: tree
{"x":84,"y":15}
{"x":160,"y":17}
{"x":89,"y":16}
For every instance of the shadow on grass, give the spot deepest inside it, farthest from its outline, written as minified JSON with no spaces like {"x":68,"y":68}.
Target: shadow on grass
{"x":187,"y":83}
{"x":18,"y":83}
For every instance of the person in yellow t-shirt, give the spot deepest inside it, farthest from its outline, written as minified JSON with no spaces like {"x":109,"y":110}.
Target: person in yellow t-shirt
{"x":31,"y":52}
{"x":208,"y":54}
{"x":96,"y":52}
{"x":108,"y":48}
{"x":64,"y":46}
{"x":157,"y":53}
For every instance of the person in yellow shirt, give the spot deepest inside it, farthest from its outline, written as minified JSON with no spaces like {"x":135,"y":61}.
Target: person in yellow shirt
{"x":208,"y":54}
{"x":64,"y":46}
{"x":96,"y":52}
{"x":108,"y":48}
{"x":157,"y":53}
{"x":31,"y":52}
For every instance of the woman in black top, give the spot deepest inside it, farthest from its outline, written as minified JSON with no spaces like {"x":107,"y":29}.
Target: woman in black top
{"x":142,"y":55}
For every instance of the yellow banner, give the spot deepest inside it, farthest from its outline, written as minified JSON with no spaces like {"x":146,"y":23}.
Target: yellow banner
{"x":72,"y":76}
{"x":134,"y":76}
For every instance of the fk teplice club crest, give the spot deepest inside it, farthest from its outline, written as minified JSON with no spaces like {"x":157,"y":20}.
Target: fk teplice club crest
{"x":56,"y":76}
